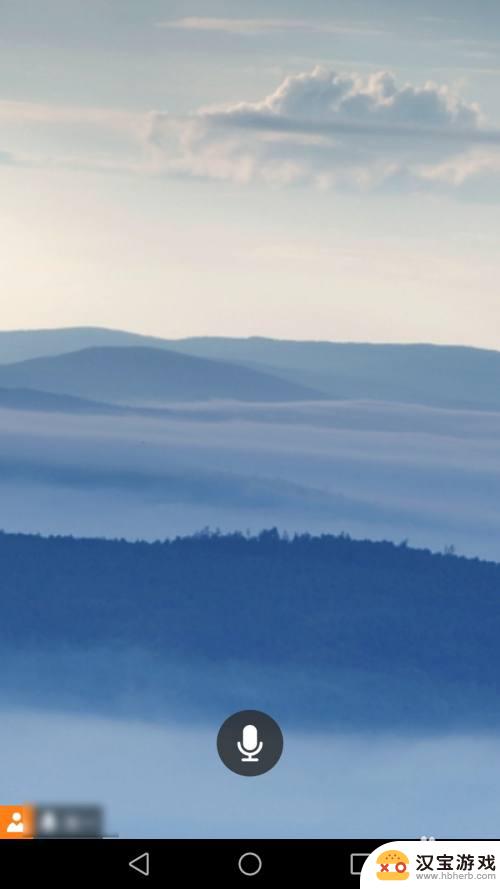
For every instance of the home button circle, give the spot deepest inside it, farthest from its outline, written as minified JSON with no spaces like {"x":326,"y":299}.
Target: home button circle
{"x":250,"y":864}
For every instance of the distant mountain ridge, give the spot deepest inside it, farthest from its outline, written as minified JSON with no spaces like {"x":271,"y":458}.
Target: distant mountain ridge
{"x":33,"y":400}
{"x":442,"y":376}
{"x":143,"y":375}
{"x":22,"y":345}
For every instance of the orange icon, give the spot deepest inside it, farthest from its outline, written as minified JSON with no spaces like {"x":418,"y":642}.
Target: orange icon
{"x":393,"y":865}
{"x":16,"y":822}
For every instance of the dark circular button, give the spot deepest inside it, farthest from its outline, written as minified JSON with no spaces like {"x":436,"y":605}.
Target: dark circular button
{"x":250,"y":864}
{"x":250,"y":742}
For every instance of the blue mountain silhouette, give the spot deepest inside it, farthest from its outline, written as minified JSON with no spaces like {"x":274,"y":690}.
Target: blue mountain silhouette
{"x":323,"y":629}
{"x":446,"y":376}
{"x":137,"y":374}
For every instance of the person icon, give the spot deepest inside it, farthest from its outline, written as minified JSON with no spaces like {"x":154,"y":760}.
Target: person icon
{"x":16,"y":825}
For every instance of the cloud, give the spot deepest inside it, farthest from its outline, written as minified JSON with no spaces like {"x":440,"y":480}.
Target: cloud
{"x":318,"y":128}
{"x":335,"y":130}
{"x":255,"y":26}
{"x":49,"y":135}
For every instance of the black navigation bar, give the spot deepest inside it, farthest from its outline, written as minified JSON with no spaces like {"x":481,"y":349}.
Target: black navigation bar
{"x":154,"y":862}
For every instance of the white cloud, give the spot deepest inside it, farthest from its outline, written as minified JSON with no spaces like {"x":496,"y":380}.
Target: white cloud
{"x":257,"y":26}
{"x":49,"y":135}
{"x":320,"y":128}
{"x":334,"y":130}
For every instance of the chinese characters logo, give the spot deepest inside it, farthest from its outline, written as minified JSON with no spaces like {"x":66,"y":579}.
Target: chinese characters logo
{"x":457,"y":863}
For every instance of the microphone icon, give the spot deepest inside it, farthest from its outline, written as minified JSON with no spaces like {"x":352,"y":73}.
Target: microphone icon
{"x":250,"y":746}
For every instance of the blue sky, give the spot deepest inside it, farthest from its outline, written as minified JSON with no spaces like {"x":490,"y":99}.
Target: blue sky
{"x":320,"y":169}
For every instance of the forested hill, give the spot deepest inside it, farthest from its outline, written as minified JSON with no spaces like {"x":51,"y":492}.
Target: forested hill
{"x":417,"y":623}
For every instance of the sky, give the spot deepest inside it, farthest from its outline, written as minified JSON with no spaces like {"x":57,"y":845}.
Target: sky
{"x":319,"y":170}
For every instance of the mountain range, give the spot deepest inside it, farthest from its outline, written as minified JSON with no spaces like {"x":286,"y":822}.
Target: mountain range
{"x":255,"y":368}
{"x":143,"y":375}
{"x":116,"y":435}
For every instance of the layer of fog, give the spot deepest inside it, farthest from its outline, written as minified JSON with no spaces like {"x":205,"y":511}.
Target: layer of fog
{"x":168,"y":781}
{"x":379,"y":471}
{"x":127,"y":681}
